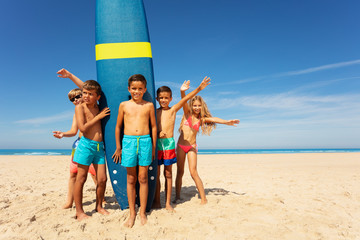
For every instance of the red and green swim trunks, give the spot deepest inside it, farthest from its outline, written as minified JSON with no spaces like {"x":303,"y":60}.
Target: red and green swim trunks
{"x":166,"y":151}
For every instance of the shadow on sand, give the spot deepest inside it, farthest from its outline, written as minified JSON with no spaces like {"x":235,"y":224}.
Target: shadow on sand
{"x":187,"y":193}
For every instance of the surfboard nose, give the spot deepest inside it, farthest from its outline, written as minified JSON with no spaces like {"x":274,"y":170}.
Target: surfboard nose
{"x":121,"y":21}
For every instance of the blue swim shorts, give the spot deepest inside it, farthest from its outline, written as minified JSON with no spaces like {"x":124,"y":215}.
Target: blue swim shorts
{"x":136,"y":150}
{"x":89,"y":151}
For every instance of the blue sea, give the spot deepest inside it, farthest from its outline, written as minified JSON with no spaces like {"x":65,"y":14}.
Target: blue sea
{"x":58,"y":152}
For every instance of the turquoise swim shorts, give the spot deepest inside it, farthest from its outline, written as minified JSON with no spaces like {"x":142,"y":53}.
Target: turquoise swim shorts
{"x":89,"y":151}
{"x":136,"y":150}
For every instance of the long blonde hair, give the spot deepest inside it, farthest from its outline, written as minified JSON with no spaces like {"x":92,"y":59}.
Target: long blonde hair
{"x":206,"y":128}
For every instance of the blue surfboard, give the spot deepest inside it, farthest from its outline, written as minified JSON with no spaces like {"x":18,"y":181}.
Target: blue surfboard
{"x":122,"y":49}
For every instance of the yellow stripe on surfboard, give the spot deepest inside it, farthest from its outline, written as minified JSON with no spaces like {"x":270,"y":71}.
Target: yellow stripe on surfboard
{"x":123,"y":50}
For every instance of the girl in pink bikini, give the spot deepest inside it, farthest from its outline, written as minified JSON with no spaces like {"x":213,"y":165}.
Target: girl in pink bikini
{"x":196,"y":115}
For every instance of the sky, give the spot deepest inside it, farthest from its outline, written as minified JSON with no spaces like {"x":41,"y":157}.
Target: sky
{"x":289,"y":70}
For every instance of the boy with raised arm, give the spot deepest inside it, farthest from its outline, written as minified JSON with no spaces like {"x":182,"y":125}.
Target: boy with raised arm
{"x":138,"y":149}
{"x":165,"y":143}
{"x":91,"y":146}
{"x":75,"y":96}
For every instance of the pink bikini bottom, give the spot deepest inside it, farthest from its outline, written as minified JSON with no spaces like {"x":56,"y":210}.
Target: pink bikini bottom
{"x":187,"y":148}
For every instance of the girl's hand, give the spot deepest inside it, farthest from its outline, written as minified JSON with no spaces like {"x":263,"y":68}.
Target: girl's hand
{"x":58,"y":134}
{"x":185,"y":86}
{"x":205,"y":82}
{"x":233,"y":122}
{"x":63,"y":73}
{"x":117,"y":155}
{"x":105,"y":112}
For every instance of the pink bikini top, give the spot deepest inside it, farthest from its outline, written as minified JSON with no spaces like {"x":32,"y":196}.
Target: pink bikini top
{"x":188,"y":122}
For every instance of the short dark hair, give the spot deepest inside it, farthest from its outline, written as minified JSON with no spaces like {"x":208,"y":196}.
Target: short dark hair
{"x":137,"y":78}
{"x":92,"y":85}
{"x":163,"y":89}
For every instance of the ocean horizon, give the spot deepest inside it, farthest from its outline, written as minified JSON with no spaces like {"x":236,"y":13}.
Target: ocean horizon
{"x":59,"y":152}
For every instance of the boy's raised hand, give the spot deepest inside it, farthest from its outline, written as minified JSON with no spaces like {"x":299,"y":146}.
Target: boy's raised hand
{"x":205,"y":82}
{"x":63,"y":73}
{"x":233,"y":122}
{"x":117,"y":156}
{"x":185,"y":86}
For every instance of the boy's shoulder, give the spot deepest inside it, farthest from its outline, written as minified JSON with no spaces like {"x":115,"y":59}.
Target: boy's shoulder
{"x":147,"y":102}
{"x":143,"y":102}
{"x":131,"y":102}
{"x":79,"y":106}
{"x":160,"y":109}
{"x":125,"y":102}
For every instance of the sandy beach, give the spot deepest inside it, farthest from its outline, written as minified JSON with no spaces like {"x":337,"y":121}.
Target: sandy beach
{"x":255,"y":196}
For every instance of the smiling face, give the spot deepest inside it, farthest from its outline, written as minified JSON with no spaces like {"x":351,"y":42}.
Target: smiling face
{"x":196,"y":107}
{"x":137,"y":90}
{"x":164,"y":99}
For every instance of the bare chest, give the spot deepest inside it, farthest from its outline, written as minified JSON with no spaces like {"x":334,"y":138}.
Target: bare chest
{"x":90,"y":113}
{"x":136,"y":112}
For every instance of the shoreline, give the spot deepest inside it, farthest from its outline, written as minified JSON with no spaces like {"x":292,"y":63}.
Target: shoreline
{"x":201,"y":152}
{"x":251,"y":196}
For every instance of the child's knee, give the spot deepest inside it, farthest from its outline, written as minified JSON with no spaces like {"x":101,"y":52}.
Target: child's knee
{"x":143,"y":179}
{"x":180,"y":171}
{"x":131,"y":180}
{"x":193,"y":173}
{"x":80,"y":181}
{"x":101,"y":180}
{"x":168,"y":174}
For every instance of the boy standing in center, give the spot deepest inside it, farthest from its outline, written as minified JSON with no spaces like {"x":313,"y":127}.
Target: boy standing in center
{"x":138,"y":149}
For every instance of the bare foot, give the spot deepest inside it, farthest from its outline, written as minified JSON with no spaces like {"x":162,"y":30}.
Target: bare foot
{"x":203,"y":202}
{"x":156,"y":205}
{"x":102,"y":211}
{"x":81,"y":216}
{"x":143,"y":219}
{"x":130,"y":222}
{"x":170,"y":208}
{"x":67,"y":205}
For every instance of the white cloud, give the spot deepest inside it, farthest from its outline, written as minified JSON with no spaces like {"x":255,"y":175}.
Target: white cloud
{"x":319,"y":84}
{"x":49,"y":119}
{"x":33,"y":132}
{"x":285,"y":101}
{"x":320,"y":68}
{"x":228,"y":93}
{"x":297,"y":72}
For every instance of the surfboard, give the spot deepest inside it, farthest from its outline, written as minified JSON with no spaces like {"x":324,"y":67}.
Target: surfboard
{"x":122,"y":49}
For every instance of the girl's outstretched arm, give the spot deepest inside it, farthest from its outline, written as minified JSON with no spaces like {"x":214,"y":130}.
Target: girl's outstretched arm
{"x":231,"y":122}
